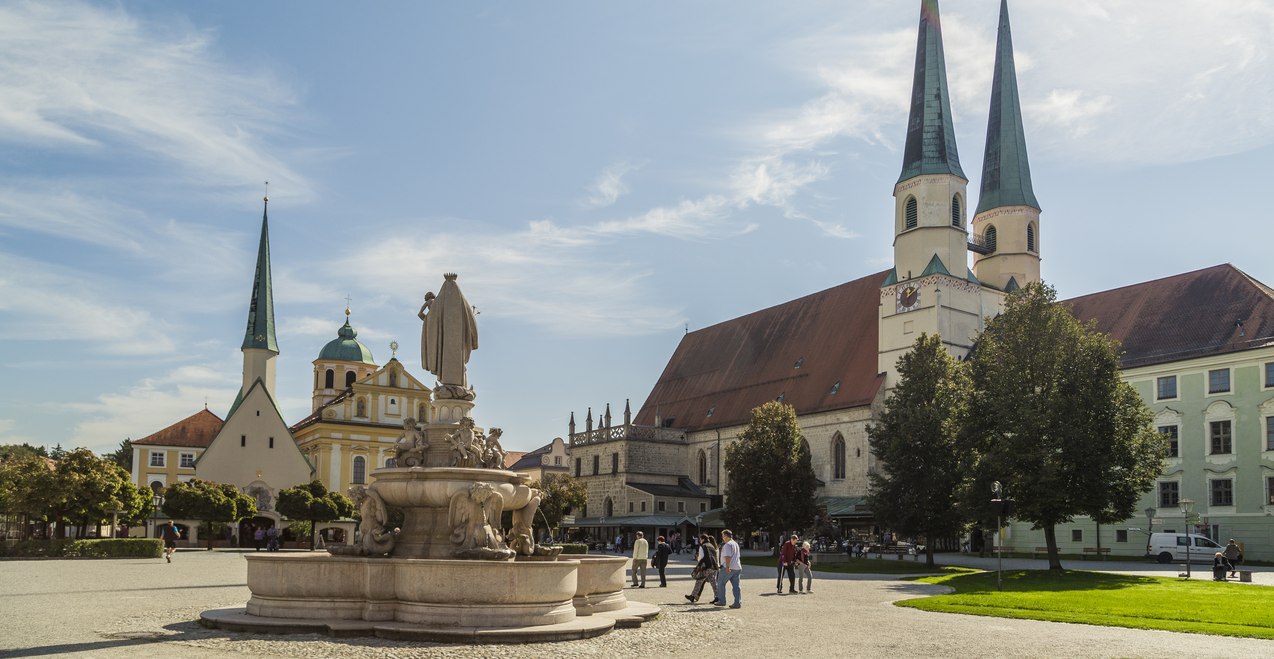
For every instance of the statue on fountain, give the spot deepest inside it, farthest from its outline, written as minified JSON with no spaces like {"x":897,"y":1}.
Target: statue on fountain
{"x":376,"y":539}
{"x":448,"y":334}
{"x":492,"y":453}
{"x":474,"y":515}
{"x":411,"y":447}
{"x":466,"y":445}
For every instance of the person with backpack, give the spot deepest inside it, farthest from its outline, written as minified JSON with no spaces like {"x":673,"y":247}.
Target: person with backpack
{"x":705,"y":569}
{"x":171,"y":534}
{"x":662,"y":551}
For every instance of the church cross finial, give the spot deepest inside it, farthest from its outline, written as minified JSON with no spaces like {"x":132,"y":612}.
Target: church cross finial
{"x":347,"y":300}
{"x":266,"y":198}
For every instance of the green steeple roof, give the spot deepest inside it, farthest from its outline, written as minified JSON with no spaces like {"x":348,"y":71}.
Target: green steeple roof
{"x":931,"y":142}
{"x":260,"y":332}
{"x":345,"y":347}
{"x":1006,"y":174}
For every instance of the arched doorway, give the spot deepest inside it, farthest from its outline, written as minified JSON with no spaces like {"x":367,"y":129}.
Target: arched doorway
{"x":248,"y":529}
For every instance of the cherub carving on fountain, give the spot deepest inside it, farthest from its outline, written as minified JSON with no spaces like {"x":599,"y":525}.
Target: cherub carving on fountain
{"x":448,"y":334}
{"x":376,"y":539}
{"x":411,"y":447}
{"x":522,"y":540}
{"x":466,"y":445}
{"x":492,"y":452}
{"x":474,"y":515}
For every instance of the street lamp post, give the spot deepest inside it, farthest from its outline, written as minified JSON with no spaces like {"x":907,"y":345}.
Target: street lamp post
{"x":997,"y":489}
{"x":1187,"y":506}
{"x":158,"y":500}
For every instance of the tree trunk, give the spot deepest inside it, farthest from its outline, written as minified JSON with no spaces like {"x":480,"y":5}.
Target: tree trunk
{"x":929,"y":554}
{"x":313,"y":534}
{"x":209,"y":529}
{"x":1050,"y":539}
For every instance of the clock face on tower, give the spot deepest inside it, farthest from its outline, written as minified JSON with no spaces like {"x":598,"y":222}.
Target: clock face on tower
{"x":908,"y":298}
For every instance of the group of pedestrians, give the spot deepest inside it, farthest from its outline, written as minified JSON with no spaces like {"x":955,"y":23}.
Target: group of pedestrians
{"x":1226,"y":560}
{"x":796,"y":560}
{"x":717,"y":567}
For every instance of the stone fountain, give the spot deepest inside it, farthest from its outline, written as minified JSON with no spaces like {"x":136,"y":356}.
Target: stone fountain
{"x":449,"y":573}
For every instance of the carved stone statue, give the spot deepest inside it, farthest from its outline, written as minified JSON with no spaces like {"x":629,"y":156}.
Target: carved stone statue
{"x":492,"y":453}
{"x":411,"y":447}
{"x":523,"y":519}
{"x":449,"y":333}
{"x":376,"y":540}
{"x":474,"y":515}
{"x":466,"y":445}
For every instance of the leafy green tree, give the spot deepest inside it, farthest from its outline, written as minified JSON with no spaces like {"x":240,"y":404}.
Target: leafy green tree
{"x":1050,"y":419}
{"x":312,"y":502}
{"x":772,"y":482}
{"x":10,"y":450}
{"x":25,"y":479}
{"x":562,"y":494}
{"x":917,"y":493}
{"x":208,"y":502}
{"x":122,"y":456}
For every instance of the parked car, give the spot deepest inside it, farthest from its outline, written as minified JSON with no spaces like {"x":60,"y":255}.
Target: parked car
{"x":1169,"y":547}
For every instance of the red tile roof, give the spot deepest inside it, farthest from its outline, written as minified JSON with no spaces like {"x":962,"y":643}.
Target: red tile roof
{"x":195,"y":431}
{"x":1211,"y":311}
{"x":511,"y":458}
{"x":731,"y":367}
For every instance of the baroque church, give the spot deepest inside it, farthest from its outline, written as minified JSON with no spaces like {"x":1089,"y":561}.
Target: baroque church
{"x":1198,"y":347}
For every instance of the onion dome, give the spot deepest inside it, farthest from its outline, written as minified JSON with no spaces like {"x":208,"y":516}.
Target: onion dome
{"x":346,"y":347}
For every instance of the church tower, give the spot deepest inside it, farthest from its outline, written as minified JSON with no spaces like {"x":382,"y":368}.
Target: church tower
{"x":1006,"y":228}
{"x":930,"y":288}
{"x":260,"y":348}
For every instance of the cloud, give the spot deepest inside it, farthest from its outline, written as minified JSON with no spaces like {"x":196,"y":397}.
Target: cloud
{"x":610,"y":185}
{"x":90,"y":80}
{"x":9,"y":436}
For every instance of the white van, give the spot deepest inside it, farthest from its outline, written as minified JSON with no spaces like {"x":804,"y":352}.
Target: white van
{"x":1169,"y":547}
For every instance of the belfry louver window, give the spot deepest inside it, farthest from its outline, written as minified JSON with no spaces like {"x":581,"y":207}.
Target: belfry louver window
{"x":912,"y":213}
{"x":955,"y":211}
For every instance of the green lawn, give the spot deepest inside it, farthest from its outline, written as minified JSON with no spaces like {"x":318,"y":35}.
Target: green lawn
{"x":889,"y":565}
{"x":1199,"y":606}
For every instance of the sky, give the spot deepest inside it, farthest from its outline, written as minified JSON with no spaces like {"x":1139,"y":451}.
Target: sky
{"x":602,"y":176}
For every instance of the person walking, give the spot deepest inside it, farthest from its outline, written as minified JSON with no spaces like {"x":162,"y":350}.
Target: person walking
{"x":787,"y":564}
{"x":641,"y":554}
{"x":705,"y":569}
{"x":804,"y":569}
{"x":662,"y":551}
{"x":171,"y":534}
{"x":731,"y":570}
{"x":1234,"y":555}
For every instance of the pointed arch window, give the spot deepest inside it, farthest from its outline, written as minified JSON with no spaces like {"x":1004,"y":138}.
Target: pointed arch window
{"x":610,"y":507}
{"x":990,"y":239}
{"x":349,"y":378}
{"x":329,"y":380}
{"x":703,"y":467}
{"x":360,"y":470}
{"x":955,"y":211}
{"x":1030,"y":238}
{"x":911,"y":215}
{"x":838,"y":456}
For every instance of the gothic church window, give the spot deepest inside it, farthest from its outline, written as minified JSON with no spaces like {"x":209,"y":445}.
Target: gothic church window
{"x":703,"y":466}
{"x":912,"y":214}
{"x":838,"y":456}
{"x":990,"y":239}
{"x":360,"y":470}
{"x":955,"y":211}
{"x":329,"y":380}
{"x":610,"y":507}
{"x":1030,"y":238}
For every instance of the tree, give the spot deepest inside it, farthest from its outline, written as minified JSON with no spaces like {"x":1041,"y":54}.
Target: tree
{"x":917,"y":440}
{"x":772,"y":482}
{"x":208,"y":502}
{"x":10,"y":450}
{"x":122,"y":456}
{"x":25,"y":478}
{"x":1050,"y":419}
{"x":312,"y":502}
{"x":562,"y":494}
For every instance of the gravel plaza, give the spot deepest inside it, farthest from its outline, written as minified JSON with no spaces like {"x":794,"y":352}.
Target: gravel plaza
{"x":76,"y":608}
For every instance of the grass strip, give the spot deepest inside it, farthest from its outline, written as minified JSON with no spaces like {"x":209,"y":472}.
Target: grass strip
{"x":1112,"y":600}
{"x":863,"y":566}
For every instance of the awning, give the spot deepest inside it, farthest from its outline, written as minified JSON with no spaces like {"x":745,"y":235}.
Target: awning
{"x":632,"y":521}
{"x":845,"y":507}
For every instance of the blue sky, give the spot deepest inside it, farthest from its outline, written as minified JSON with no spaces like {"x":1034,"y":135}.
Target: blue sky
{"x":601,"y":175}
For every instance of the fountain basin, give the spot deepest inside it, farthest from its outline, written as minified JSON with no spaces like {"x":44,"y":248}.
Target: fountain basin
{"x":600,"y":584}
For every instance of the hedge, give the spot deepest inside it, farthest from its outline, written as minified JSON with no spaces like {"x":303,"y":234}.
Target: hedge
{"x":104,"y":548}
{"x":574,"y":548}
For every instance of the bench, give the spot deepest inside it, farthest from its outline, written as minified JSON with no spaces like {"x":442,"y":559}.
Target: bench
{"x":1006,"y":549}
{"x":1039,"y":550}
{"x":881,"y":551}
{"x":1102,"y":551}
{"x":1245,"y":576}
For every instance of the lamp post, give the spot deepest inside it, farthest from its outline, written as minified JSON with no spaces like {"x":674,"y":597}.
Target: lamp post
{"x":1187,"y":506}
{"x":998,"y":503}
{"x":158,"y":500}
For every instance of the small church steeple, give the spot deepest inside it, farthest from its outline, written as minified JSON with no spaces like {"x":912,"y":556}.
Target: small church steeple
{"x":1006,"y":226}
{"x":931,"y":143}
{"x":259,"y":344}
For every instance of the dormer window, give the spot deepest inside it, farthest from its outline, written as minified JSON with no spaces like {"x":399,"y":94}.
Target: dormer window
{"x":912,"y":214}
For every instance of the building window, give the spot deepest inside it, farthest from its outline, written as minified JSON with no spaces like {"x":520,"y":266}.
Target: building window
{"x":955,"y":211}
{"x":390,"y":463}
{"x":912,"y":217}
{"x":597,"y":461}
{"x":1172,"y":433}
{"x":1030,"y":238}
{"x":1269,"y":489}
{"x":630,"y":506}
{"x":660,"y":506}
{"x":610,"y":507}
{"x":187,"y":460}
{"x":271,"y":442}
{"x":1219,"y":381}
{"x":681,"y":506}
{"x":1121,"y":535}
{"x":703,"y":467}
{"x":243,"y":440}
{"x":1269,"y":433}
{"x":643,"y":506}
{"x":1077,"y":535}
{"x":578,"y":461}
{"x":838,"y":456}
{"x":360,"y":470}
{"x":703,"y":507}
{"x":1269,"y":374}
{"x":557,"y":460}
{"x":614,"y":463}
{"x":329,"y":380}
{"x":1166,"y":387}
{"x":1169,"y":494}
{"x":1220,"y":436}
{"x":156,"y":458}
{"x":989,"y":239}
{"x":1222,"y":492}
{"x":349,"y":379}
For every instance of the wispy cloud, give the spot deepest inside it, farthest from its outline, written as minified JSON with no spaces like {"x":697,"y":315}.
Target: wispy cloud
{"x":9,"y":435}
{"x":610,"y":185}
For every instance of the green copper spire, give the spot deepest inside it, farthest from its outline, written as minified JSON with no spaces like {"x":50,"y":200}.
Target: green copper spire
{"x":931,"y":143}
{"x":260,"y":332}
{"x":1006,"y":174}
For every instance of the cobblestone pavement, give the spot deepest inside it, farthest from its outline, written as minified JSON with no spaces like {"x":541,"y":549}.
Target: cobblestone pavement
{"x":144,"y":608}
